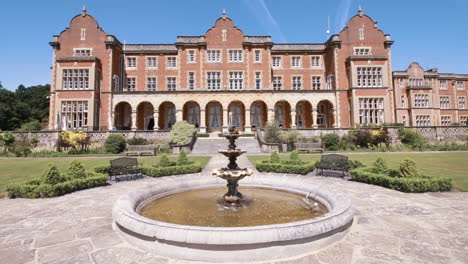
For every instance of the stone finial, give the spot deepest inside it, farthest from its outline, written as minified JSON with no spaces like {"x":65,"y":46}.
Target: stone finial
{"x":224,"y":13}
{"x":83,"y":10}
{"x":360,"y":10}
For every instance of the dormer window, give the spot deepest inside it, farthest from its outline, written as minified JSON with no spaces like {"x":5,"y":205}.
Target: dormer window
{"x":82,"y":52}
{"x":362,"y":51}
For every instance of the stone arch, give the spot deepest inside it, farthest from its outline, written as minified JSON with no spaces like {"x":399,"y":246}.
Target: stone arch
{"x":325,"y":116}
{"x":191,"y":113}
{"x":214,"y":116}
{"x":145,"y":120}
{"x":123,"y":116}
{"x":236,"y":115}
{"x":303,"y":114}
{"x":283,"y":114}
{"x":258,"y":114}
{"x":167,"y":115}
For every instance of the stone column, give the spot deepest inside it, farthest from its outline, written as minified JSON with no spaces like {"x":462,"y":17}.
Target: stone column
{"x":248,"y":124}
{"x":314,"y":117}
{"x":112,"y":121}
{"x":202,"y":121}
{"x":134,"y":120}
{"x":156,"y":120}
{"x":334,"y":125}
{"x":179,"y":115}
{"x":225,"y":120}
{"x":293,"y":119}
{"x":271,"y":116}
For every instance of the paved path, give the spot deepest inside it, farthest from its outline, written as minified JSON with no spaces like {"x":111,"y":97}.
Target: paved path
{"x":205,"y":146}
{"x":390,"y":227}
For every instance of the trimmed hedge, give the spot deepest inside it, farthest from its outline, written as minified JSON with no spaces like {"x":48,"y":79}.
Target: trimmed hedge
{"x":402,"y":184}
{"x":103,"y":169}
{"x":34,"y":188}
{"x":285,"y":168}
{"x":158,"y":171}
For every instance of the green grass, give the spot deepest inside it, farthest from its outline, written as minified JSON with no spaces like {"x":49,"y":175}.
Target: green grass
{"x":20,"y":170}
{"x":453,"y":165}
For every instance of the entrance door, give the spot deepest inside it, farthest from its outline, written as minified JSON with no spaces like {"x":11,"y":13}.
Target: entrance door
{"x":215,"y":118}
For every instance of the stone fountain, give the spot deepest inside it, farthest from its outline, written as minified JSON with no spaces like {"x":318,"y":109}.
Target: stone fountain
{"x":232,"y":174}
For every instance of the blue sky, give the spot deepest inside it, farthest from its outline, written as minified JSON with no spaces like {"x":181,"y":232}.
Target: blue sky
{"x":434,"y":33}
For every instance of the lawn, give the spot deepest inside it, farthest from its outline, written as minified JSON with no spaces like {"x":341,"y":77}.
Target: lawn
{"x":22,"y":169}
{"x":453,"y":165}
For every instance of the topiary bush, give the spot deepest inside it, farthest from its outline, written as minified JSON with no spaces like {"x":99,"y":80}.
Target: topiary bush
{"x":164,"y":161}
{"x":181,"y":133}
{"x":331,"y":141}
{"x":115,"y":144}
{"x":76,"y":170}
{"x":52,"y":175}
{"x":408,"y":169}
{"x":275,"y":158}
{"x":379,"y":166}
{"x":182,"y":159}
{"x":137,"y":141}
{"x":294,"y":158}
{"x":272,"y":133}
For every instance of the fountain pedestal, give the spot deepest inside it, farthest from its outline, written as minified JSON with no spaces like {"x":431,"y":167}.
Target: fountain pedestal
{"x":232,"y":174}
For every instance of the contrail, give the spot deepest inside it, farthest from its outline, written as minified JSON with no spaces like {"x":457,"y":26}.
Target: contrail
{"x":254,"y":5}
{"x":344,"y":5}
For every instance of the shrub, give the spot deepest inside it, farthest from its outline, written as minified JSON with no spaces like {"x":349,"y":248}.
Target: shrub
{"x":362,"y":137}
{"x":76,"y":170}
{"x":31,"y":126}
{"x":181,"y":133}
{"x":285,"y":168}
{"x":275,"y":158}
{"x":23,"y":146}
{"x":288,"y":137}
{"x":379,"y":166}
{"x":137,"y":141}
{"x":331,"y":141}
{"x":294,"y":158}
{"x":103,"y":169}
{"x":272,"y":133}
{"x":52,"y":175}
{"x":163,"y":148}
{"x":354,"y":164}
{"x":6,"y":141}
{"x":115,"y":144}
{"x":164,"y":161}
{"x":182,"y":159}
{"x":171,"y":170}
{"x":203,"y":135}
{"x":408,"y":169}
{"x":77,"y":142}
{"x":412,"y":138}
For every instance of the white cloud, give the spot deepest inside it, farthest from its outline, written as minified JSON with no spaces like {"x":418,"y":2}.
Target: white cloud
{"x":260,"y":8}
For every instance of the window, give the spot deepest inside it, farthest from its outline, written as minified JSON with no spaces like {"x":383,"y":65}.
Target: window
{"x":403,"y":101}
{"x":404,"y":120}
{"x":362,"y":51}
{"x":235,"y":56}
{"x":82,"y":53}
{"x":171,"y":83}
{"x":296,"y":61}
{"x":74,"y":114}
{"x":369,"y":77}
{"x":315,"y":61}
{"x":443,"y":84}
{"x":444,"y":102}
{"x":464,"y":120}
{"x":258,"y":80}
{"x":191,"y":80}
{"x":83,"y":34}
{"x":151,"y":83}
{"x":131,"y":83}
{"x":316,"y":83}
{"x":235,"y":80}
{"x":461,"y":102}
{"x":329,"y":82}
{"x":191,"y":56}
{"x":151,"y":62}
{"x":421,"y":100}
{"x":416,"y":82}
{"x":296,"y":82}
{"x":445,"y":120}
{"x":213,"y":55}
{"x":257,"y":56}
{"x":276,"y":62}
{"x":171,"y":62}
{"x":214,"y":80}
{"x":131,"y":63}
{"x":423,"y":120}
{"x":371,"y":111}
{"x":361,"y":34}
{"x":75,"y":79}
{"x":402,"y":83}
{"x":460,"y":85}
{"x":277,"y":82}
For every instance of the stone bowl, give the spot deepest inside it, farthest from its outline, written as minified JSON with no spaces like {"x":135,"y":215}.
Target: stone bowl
{"x":220,"y":244}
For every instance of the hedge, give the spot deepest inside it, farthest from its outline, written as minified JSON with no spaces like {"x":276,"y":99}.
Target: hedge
{"x":34,"y":188}
{"x":285,"y":168}
{"x":158,"y":171}
{"x":403,"y":184}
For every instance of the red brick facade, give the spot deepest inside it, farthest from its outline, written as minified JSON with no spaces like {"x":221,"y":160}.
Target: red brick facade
{"x":226,"y":77}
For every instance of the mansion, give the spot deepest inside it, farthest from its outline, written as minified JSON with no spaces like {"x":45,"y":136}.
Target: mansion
{"x":225,"y":77}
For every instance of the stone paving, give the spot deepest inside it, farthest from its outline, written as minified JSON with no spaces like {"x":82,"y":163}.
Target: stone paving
{"x":390,"y":227}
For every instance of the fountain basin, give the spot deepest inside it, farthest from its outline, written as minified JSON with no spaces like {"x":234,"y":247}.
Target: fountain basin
{"x":229,"y":243}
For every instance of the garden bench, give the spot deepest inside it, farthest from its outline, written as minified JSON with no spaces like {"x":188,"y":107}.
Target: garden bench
{"x":140,"y":149}
{"x":308,"y":146}
{"x":121,"y":168}
{"x":332,"y":162}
